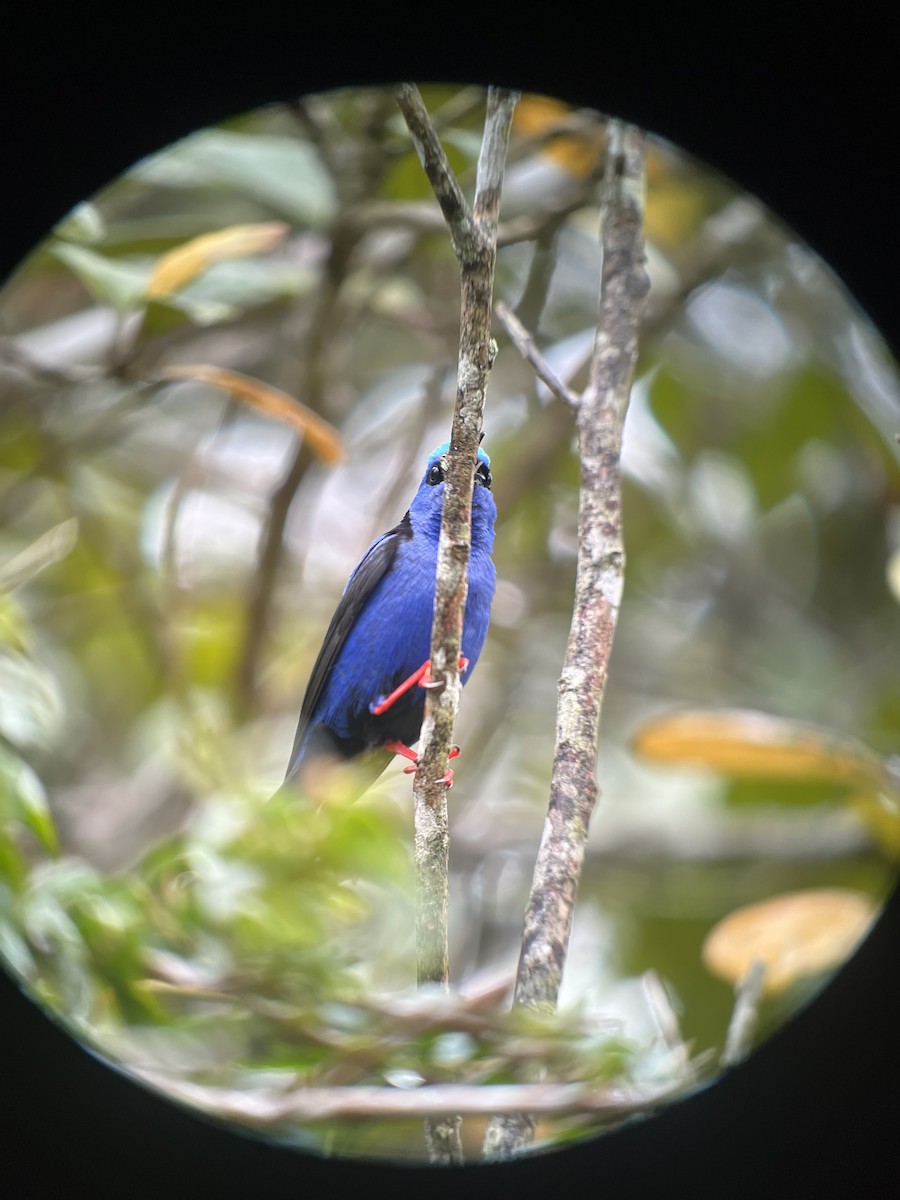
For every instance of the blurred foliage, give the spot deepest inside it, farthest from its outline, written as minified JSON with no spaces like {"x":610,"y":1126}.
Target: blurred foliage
{"x":170,"y":555}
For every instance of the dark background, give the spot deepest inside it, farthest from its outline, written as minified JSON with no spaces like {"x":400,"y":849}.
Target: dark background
{"x":798,"y":116}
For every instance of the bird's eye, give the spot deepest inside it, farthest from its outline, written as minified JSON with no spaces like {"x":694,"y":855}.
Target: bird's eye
{"x":435,"y":475}
{"x":483,"y":475}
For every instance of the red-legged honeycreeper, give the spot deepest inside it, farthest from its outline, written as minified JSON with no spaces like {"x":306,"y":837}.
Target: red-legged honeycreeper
{"x":366,"y":691}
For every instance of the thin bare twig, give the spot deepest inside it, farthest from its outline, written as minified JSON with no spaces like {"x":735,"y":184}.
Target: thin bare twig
{"x":598,"y":592}
{"x":525,"y":344}
{"x":423,"y":217}
{"x":465,"y":235}
{"x":264,"y":1109}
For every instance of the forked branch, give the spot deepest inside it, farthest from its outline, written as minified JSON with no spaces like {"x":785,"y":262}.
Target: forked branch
{"x":474,"y":237}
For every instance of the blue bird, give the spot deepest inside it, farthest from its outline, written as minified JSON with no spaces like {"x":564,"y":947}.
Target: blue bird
{"x":366,"y":692}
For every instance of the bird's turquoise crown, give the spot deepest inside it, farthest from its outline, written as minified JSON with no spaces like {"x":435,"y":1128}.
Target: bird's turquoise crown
{"x":444,"y":447}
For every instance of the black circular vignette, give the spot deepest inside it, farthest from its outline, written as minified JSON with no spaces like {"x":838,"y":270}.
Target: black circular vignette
{"x":801,"y":127}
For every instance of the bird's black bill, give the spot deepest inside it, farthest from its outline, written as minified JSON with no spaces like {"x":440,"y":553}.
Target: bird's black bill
{"x":483,"y":475}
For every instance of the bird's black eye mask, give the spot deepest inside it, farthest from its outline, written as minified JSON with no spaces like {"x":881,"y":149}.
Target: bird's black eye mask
{"x":436,"y":475}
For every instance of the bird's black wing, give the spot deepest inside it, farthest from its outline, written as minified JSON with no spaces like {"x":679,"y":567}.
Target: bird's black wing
{"x":369,"y":571}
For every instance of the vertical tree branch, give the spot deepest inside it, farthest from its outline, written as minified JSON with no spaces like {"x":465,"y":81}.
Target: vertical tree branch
{"x":474,"y":237}
{"x":598,"y":592}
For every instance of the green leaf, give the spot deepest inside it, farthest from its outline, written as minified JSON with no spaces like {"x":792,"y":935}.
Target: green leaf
{"x":179,"y":308}
{"x":161,"y":316}
{"x":13,"y":867}
{"x":31,"y":703}
{"x":248,"y":282}
{"x":84,"y":224}
{"x":15,"y":628}
{"x":225,"y":291}
{"x":14,"y":951}
{"x":407,"y":181}
{"x":117,"y":283}
{"x":283,"y":173}
{"x":466,"y":141}
{"x":24,"y":801}
{"x":49,"y":548}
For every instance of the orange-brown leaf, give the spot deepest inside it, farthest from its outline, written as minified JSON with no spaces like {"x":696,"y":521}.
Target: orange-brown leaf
{"x":576,"y":152}
{"x":792,"y":935}
{"x":756,"y":745}
{"x":322,"y":437}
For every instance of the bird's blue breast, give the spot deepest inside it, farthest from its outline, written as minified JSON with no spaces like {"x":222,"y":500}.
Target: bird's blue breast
{"x":390,"y":635}
{"x":391,"y":638}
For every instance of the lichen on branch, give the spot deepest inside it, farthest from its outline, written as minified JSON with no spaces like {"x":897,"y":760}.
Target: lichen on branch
{"x":474,"y":237}
{"x":600,"y":417}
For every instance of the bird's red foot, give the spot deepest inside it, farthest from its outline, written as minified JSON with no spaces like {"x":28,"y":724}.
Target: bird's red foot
{"x":421,"y":676}
{"x":404,"y":751}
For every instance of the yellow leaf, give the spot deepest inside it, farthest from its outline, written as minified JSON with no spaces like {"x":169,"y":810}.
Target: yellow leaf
{"x":792,"y":935}
{"x":576,"y":152}
{"x":322,"y":437}
{"x":673,"y":213}
{"x":756,"y":745}
{"x":186,"y":262}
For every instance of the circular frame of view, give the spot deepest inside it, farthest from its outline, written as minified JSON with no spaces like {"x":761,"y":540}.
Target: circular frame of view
{"x":223,"y":376}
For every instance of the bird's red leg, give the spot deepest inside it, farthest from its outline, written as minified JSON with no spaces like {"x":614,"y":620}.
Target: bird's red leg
{"x":422,"y":677}
{"x":387,"y":702}
{"x":396,"y":747}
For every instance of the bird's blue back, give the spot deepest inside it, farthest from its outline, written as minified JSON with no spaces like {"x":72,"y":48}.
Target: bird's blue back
{"x":381,"y":632}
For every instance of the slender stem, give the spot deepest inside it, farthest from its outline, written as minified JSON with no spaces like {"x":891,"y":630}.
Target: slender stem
{"x":271,"y":542}
{"x":367,"y":1102}
{"x":742,"y":1026}
{"x":447,"y":191}
{"x":598,"y":592}
{"x":525,"y":344}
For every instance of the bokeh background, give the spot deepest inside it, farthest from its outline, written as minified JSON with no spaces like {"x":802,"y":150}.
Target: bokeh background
{"x":170,"y":555}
